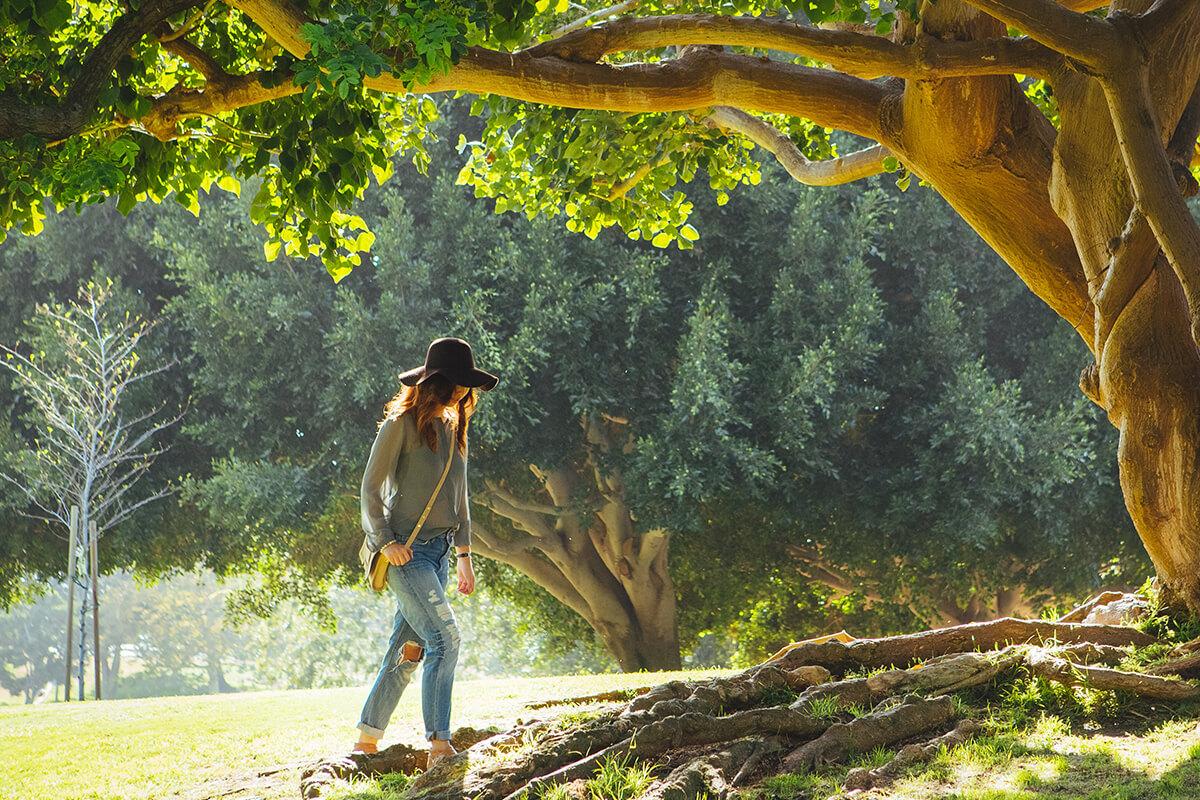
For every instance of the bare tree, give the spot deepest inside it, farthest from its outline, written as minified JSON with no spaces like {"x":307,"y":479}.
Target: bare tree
{"x":89,"y":449}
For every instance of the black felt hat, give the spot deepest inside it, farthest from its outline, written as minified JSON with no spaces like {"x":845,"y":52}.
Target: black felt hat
{"x":452,"y":359}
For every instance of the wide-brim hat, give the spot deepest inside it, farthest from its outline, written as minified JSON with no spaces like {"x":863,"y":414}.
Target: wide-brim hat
{"x":452,"y":359}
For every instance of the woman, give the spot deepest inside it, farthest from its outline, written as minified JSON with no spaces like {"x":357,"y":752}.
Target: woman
{"x":423,"y":425}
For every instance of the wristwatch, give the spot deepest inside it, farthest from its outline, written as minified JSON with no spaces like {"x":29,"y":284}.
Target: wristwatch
{"x":465,"y":555}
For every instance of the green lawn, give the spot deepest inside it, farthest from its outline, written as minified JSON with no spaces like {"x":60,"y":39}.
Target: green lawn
{"x":197,"y":747}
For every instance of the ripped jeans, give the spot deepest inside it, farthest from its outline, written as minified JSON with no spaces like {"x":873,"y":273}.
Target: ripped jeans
{"x":423,"y":615}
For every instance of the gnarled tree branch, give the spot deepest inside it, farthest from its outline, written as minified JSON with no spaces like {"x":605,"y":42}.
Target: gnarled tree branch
{"x":845,"y":169}
{"x":64,"y":119}
{"x":851,"y":52}
{"x":1071,"y":33}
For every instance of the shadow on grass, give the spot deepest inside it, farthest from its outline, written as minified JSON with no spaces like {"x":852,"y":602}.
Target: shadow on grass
{"x":1095,"y":776}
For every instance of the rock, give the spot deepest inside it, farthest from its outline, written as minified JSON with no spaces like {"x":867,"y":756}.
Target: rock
{"x":1127,"y":608}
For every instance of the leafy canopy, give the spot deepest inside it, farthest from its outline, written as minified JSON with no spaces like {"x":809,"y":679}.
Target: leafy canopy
{"x":321,"y":136}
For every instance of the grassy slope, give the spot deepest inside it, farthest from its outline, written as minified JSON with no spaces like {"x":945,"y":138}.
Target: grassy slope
{"x":155,"y":748}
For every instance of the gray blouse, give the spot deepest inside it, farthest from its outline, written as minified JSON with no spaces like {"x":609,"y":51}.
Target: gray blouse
{"x":400,"y":475}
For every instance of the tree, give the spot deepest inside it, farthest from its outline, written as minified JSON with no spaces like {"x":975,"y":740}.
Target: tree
{"x":80,"y":372}
{"x":1076,"y":175}
{"x":31,"y":644}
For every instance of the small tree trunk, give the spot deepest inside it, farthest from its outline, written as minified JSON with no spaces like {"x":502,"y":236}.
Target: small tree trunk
{"x":112,"y":667}
{"x":71,"y":560}
{"x":83,"y":615}
{"x":94,"y":559}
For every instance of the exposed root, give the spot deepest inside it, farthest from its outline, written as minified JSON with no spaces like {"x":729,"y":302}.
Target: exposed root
{"x":862,"y":778}
{"x":899,"y":650}
{"x":712,"y":775}
{"x":945,"y":674}
{"x":1186,"y":667}
{"x":685,"y":730}
{"x":399,"y":758}
{"x":601,"y":697}
{"x":1088,"y":653}
{"x":913,"y":716}
{"x":738,"y":691}
{"x":1044,"y":663}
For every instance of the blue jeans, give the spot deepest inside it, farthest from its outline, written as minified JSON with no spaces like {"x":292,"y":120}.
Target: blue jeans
{"x":423,"y":615}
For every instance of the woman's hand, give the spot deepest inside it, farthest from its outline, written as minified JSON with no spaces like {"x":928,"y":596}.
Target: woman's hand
{"x":397,"y":554}
{"x":466,"y":576}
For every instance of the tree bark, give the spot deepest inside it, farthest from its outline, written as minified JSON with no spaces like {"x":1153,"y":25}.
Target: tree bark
{"x":1147,"y":370}
{"x":605,"y":568}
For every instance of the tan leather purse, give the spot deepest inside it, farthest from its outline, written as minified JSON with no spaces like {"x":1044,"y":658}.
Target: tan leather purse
{"x":375,"y":564}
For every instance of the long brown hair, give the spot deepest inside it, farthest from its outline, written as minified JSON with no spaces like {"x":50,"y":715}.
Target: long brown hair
{"x":430,"y":400}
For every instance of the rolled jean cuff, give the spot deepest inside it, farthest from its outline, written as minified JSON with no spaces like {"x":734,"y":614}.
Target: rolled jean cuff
{"x":438,"y":735}
{"x":369,"y":731}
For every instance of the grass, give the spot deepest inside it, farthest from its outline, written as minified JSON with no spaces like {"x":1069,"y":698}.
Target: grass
{"x":187,"y":747}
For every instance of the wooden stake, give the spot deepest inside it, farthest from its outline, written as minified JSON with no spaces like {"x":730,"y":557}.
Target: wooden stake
{"x":74,"y":527}
{"x":95,"y":605}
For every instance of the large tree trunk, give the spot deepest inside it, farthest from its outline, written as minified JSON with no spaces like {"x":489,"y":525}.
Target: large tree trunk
{"x":1147,"y":371}
{"x":604,"y":567}
{"x":1060,"y":209}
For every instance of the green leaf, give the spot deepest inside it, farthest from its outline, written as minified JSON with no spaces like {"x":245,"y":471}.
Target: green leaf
{"x":126,"y":202}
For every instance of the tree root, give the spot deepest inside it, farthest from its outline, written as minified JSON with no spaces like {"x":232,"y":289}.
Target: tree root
{"x":601,"y":697}
{"x":914,"y":715}
{"x":1088,"y":653}
{"x":738,"y":691}
{"x":656,"y":738}
{"x":399,"y":758}
{"x":706,"y":737}
{"x":1186,"y":667}
{"x":1046,"y":664}
{"x":948,"y":673}
{"x":898,"y":650}
{"x":713,"y":774}
{"x":862,"y":778}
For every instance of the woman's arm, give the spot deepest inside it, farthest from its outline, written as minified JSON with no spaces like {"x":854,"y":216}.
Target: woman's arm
{"x":462,"y":536}
{"x":380,"y":464}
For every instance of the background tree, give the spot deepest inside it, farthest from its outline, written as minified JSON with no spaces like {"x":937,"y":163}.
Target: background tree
{"x":80,"y":373}
{"x":95,"y":246}
{"x":32,"y":644}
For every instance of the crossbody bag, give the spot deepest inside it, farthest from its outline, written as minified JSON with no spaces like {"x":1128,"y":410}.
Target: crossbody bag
{"x":374,"y":562}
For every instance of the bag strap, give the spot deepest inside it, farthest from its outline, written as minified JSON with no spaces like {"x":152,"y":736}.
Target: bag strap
{"x":429,"y":506}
